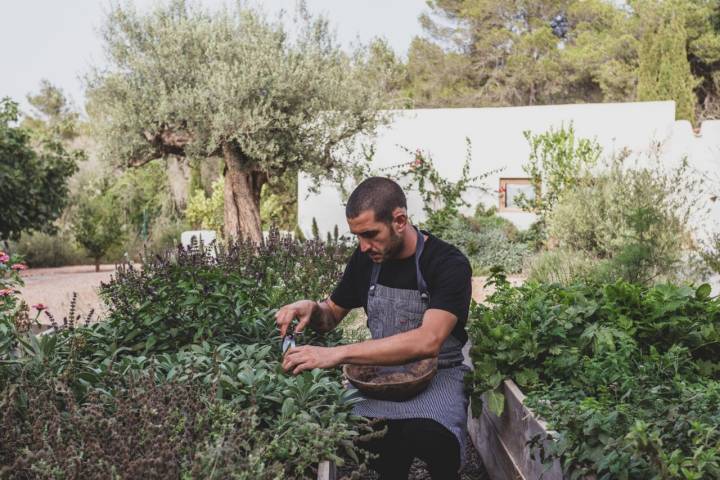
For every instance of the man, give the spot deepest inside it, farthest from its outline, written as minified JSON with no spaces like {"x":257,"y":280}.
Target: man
{"x":415,"y":289}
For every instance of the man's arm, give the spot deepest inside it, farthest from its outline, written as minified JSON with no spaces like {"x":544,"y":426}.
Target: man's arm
{"x":422,"y":342}
{"x":326,"y":315}
{"x":321,"y":316}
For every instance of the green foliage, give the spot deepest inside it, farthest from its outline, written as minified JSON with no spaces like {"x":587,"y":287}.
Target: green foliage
{"x":189,"y":360}
{"x":558,"y":160}
{"x":34,"y":178}
{"x":232,"y":83}
{"x":53,"y":114}
{"x":186,"y":297}
{"x":173,"y":430}
{"x":279,"y":201}
{"x":632,"y":218}
{"x":315,"y":229}
{"x":442,"y":198}
{"x":561,"y":265}
{"x":494,"y":52}
{"x":141,"y":197}
{"x":478,"y":53}
{"x":41,"y":249}
{"x":488,"y":241}
{"x":96,"y":225}
{"x":664,"y":71}
{"x":436,"y":78}
{"x":627,"y":375}
{"x":710,"y":253}
{"x":207,"y":213}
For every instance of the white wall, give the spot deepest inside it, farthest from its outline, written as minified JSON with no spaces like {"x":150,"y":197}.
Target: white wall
{"x":498,"y":142}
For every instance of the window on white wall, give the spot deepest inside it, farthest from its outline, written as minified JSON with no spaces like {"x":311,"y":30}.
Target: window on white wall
{"x":511,"y":190}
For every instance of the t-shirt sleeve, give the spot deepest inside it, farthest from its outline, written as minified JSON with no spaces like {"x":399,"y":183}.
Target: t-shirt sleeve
{"x":452,"y":286}
{"x":346,"y":293}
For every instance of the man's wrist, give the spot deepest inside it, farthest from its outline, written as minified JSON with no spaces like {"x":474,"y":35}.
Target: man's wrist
{"x":340,"y":354}
{"x":317,"y":321}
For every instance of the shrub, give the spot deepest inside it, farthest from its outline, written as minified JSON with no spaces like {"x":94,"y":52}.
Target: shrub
{"x":558,"y":160}
{"x":633,"y":219}
{"x":627,"y":375}
{"x":207,"y":212}
{"x":96,"y":225}
{"x":442,"y":198}
{"x":189,"y":357}
{"x":146,"y":430}
{"x":45,"y":250}
{"x":711,"y":253}
{"x":562,"y":266}
{"x":488,"y":241}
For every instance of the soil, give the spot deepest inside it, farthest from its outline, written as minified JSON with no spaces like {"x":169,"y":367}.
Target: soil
{"x":393,"y":378}
{"x":472,"y":470}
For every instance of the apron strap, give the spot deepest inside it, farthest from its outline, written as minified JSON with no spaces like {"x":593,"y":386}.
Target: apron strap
{"x":374,"y":275}
{"x":421,"y":284}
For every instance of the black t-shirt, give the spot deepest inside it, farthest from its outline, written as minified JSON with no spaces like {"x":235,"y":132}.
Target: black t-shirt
{"x":446,"y":271}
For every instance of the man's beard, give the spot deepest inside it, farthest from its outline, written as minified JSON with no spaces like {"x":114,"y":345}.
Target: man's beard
{"x":393,"y":250}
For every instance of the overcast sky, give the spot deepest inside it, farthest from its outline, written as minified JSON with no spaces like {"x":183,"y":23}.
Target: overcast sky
{"x":58,"y":40}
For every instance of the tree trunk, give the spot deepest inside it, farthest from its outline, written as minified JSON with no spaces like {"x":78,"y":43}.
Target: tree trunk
{"x":242,"y":196}
{"x":97,"y":264}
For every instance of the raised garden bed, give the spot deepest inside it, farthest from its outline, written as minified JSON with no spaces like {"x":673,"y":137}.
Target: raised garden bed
{"x":503,"y":440}
{"x":627,"y":375}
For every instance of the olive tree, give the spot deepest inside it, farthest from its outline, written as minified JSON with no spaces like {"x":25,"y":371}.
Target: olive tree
{"x":189,"y":82}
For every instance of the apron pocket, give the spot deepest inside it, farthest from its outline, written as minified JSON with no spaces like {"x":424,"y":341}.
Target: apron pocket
{"x":407,"y":320}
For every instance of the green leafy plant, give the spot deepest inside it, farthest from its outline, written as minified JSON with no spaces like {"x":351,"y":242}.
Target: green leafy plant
{"x":35,"y":173}
{"x":558,"y":161}
{"x":189,"y":358}
{"x":442,"y":198}
{"x":628,"y":375}
{"x":204,"y":212}
{"x":632,"y":218}
{"x":488,"y":241}
{"x":96,"y":224}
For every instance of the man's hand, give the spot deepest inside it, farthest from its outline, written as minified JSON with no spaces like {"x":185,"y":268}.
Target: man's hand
{"x":322,"y":316}
{"x":302,"y":310}
{"x":308,"y":357}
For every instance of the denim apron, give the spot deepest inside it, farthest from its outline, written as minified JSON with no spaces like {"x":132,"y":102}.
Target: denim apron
{"x":394,"y":310}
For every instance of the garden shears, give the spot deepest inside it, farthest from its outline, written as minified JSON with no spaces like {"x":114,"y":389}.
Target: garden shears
{"x":289,"y":339}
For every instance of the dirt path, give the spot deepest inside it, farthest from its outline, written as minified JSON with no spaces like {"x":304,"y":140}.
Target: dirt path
{"x":54,"y":287}
{"x":480,"y":292}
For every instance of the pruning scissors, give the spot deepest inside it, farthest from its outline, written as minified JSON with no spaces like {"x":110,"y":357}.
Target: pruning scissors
{"x":288,"y":342}
{"x":289,"y":339}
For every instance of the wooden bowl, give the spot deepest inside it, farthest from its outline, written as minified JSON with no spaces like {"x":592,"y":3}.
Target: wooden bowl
{"x":395,"y":383}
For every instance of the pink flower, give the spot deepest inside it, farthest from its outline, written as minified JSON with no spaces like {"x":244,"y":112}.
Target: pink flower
{"x":6,"y":291}
{"x":4,"y":257}
{"x":19,"y":266}
{"x":40,"y":307}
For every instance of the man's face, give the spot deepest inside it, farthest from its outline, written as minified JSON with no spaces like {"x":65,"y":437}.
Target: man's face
{"x":381,"y":241}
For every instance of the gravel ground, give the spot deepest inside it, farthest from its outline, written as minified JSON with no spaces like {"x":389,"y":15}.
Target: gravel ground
{"x":54,"y":287}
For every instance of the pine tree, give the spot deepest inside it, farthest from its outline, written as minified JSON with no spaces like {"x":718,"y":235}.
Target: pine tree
{"x":664,"y":71}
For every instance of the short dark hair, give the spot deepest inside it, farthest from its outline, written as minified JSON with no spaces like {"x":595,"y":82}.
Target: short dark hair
{"x":379,"y":194}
